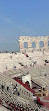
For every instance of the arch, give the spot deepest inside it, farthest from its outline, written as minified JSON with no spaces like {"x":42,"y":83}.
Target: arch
{"x":27,"y":78}
{"x":48,"y":43}
{"x":33,"y":45}
{"x":27,"y":83}
{"x":41,"y":44}
{"x":25,"y":45}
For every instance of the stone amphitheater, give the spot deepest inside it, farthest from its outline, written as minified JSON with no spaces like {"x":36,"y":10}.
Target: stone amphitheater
{"x":32,"y":61}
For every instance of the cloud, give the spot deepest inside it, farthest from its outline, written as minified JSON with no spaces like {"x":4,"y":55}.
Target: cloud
{"x":10,"y":21}
{"x":19,"y":28}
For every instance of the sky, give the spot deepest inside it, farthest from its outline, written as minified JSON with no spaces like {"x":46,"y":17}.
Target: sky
{"x":22,"y":17}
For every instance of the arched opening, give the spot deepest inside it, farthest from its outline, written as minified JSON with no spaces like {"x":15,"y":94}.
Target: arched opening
{"x":41,"y":44}
{"x":33,"y":45}
{"x":48,"y":43}
{"x":25,"y":45}
{"x":27,"y":84}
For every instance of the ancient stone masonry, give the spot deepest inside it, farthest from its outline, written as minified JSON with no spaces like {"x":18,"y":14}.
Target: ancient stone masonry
{"x":31,"y":44}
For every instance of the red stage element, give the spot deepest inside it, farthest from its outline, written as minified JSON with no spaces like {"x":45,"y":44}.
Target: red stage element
{"x":31,"y":90}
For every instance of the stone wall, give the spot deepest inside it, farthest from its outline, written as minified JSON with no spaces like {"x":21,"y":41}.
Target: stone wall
{"x":33,"y":40}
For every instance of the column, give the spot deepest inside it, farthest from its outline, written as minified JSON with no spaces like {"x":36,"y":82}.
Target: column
{"x":21,"y":45}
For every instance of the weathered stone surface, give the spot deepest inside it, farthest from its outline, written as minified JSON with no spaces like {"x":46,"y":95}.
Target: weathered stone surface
{"x":36,"y":40}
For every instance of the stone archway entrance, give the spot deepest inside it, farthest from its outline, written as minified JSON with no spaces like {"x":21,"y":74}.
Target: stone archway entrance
{"x":27,"y":80}
{"x":27,"y":84}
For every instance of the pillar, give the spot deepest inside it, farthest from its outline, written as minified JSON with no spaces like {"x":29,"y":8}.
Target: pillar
{"x":21,"y":45}
{"x":29,"y":44}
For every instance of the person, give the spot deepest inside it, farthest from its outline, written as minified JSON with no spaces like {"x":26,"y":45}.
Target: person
{"x":18,"y":94}
{"x":15,"y":87}
{"x":6,"y":67}
{"x":7,"y":88}
{"x":12,"y":92}
{"x":2,"y":86}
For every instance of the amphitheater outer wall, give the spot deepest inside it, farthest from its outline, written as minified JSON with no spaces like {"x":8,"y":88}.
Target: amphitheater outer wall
{"x":29,"y":40}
